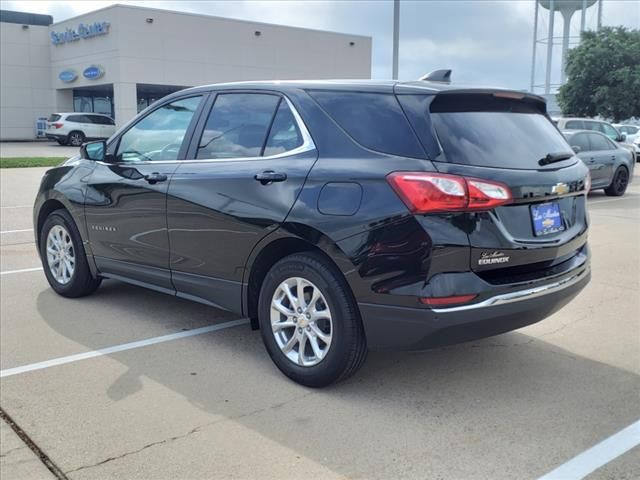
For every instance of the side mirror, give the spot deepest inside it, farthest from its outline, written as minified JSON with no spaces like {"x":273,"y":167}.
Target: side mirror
{"x":96,"y":151}
{"x":576,"y":148}
{"x":623,"y":137}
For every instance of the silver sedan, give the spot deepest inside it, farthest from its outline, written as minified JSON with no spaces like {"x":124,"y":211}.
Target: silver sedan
{"x":611,"y":165}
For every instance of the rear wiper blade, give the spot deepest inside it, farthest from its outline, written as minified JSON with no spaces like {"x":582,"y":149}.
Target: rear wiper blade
{"x":554,"y":157}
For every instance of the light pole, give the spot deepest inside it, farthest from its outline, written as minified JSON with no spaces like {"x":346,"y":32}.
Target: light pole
{"x":396,"y":37}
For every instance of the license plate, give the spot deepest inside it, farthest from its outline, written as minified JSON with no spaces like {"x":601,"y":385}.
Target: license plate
{"x":546,"y":219}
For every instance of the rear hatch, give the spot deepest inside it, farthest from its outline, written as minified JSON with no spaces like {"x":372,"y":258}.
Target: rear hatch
{"x":507,"y":137}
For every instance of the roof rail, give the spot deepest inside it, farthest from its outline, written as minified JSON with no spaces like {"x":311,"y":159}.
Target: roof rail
{"x":443,"y":76}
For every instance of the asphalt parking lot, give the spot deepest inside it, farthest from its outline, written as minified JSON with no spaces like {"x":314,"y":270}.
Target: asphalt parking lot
{"x":209,"y":403}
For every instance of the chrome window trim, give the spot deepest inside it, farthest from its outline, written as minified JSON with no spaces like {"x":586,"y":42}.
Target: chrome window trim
{"x":307,"y":146}
{"x":520,"y":294}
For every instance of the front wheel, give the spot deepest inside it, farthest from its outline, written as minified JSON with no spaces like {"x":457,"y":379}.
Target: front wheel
{"x":619,"y":183}
{"x":309,"y":321}
{"x":63,"y":257}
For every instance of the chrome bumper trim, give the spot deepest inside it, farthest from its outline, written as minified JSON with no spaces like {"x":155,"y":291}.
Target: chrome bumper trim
{"x":520,"y":294}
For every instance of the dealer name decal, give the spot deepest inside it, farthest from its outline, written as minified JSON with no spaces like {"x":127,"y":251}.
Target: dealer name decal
{"x":490,"y":258}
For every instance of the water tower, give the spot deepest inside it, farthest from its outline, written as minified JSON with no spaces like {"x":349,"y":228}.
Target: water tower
{"x":566,"y":8}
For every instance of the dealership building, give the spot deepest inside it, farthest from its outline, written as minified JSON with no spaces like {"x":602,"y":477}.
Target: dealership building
{"x":120,"y":59}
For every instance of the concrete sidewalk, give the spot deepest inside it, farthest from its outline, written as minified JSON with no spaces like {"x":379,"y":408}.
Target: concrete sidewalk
{"x":35,"y":149}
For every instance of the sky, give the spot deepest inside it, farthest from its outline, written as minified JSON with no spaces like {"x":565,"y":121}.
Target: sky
{"x":483,"y":42}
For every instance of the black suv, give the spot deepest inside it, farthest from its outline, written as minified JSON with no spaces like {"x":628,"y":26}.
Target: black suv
{"x":337,"y":216}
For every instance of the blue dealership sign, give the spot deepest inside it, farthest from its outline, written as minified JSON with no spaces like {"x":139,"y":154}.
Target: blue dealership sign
{"x":84,"y":30}
{"x":68,"y":76}
{"x":93,"y":72}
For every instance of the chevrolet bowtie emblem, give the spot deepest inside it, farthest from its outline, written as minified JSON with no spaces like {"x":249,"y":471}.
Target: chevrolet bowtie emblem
{"x":560,"y":188}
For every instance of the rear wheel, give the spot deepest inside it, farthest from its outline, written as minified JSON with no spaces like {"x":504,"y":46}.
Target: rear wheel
{"x":619,"y":183}
{"x":309,"y":321}
{"x":75,"y":138}
{"x":63,"y":257}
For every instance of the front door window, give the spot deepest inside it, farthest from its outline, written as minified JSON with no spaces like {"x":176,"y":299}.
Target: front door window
{"x":159,"y":135}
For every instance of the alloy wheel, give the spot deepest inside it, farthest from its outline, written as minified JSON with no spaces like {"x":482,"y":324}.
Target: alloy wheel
{"x":61,"y":257}
{"x":301,"y":321}
{"x":75,"y":139}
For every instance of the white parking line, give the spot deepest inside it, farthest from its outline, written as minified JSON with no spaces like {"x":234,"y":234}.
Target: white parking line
{"x":119,"y":348}
{"x":17,"y":231}
{"x":17,"y":206}
{"x":9,"y":272}
{"x":598,"y":455}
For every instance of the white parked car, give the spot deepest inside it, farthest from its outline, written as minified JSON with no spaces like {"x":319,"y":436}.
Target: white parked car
{"x":631,"y":132}
{"x":74,"y":128}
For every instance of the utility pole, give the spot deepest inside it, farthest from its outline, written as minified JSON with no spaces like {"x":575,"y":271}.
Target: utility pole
{"x":533,"y":54}
{"x":599,"y":15}
{"x":547,"y":80}
{"x":396,"y":37}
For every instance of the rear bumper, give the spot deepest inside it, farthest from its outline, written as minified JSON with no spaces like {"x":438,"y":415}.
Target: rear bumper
{"x":55,"y":136}
{"x":401,"y":328}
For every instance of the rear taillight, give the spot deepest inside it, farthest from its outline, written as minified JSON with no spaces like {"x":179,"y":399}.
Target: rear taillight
{"x":438,"y":192}
{"x":56,"y":125}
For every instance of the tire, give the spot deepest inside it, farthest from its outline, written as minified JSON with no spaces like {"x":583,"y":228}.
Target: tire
{"x":61,"y":142}
{"x":74,"y":282}
{"x":75,"y":138}
{"x":347,"y":348}
{"x":619,"y":183}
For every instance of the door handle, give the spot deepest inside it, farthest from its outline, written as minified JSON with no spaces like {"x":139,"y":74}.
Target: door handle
{"x":155,"y":177}
{"x":269,"y":176}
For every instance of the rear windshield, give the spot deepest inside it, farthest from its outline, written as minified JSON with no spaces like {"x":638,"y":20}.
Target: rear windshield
{"x":54,"y":117}
{"x":495,"y":133}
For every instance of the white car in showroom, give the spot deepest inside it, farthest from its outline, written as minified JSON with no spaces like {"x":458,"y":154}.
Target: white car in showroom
{"x":74,"y":128}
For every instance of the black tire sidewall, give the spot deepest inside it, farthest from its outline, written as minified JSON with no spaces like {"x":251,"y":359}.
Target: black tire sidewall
{"x":82,"y":282}
{"x":613,"y":189}
{"x":345,"y":319}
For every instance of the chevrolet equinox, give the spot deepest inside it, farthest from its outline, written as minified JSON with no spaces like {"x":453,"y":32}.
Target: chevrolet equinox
{"x":337,"y":216}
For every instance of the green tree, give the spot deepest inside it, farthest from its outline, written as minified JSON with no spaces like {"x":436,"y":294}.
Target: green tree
{"x":603,"y":75}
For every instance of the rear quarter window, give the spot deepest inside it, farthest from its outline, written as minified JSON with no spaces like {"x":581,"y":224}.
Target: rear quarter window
{"x":374,"y":120}
{"x":574,"y":125}
{"x":54,"y":117}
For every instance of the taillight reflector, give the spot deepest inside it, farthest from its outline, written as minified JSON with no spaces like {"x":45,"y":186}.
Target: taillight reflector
{"x":56,"y":125}
{"x":438,"y":192}
{"x":444,"y":301}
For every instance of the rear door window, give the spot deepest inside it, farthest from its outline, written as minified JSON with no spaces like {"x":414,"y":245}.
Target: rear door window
{"x":595,"y":126}
{"x":574,"y":125}
{"x":78,"y":119}
{"x":284,"y":134}
{"x":238,"y":125}
{"x":374,"y":120}
{"x":494,"y":132}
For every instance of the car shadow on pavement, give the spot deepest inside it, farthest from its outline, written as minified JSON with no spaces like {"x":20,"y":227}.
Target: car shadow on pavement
{"x":479,"y":409}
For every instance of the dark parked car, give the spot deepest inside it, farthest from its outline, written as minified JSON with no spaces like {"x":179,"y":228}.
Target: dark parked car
{"x":337,"y":216}
{"x":610,"y":165}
